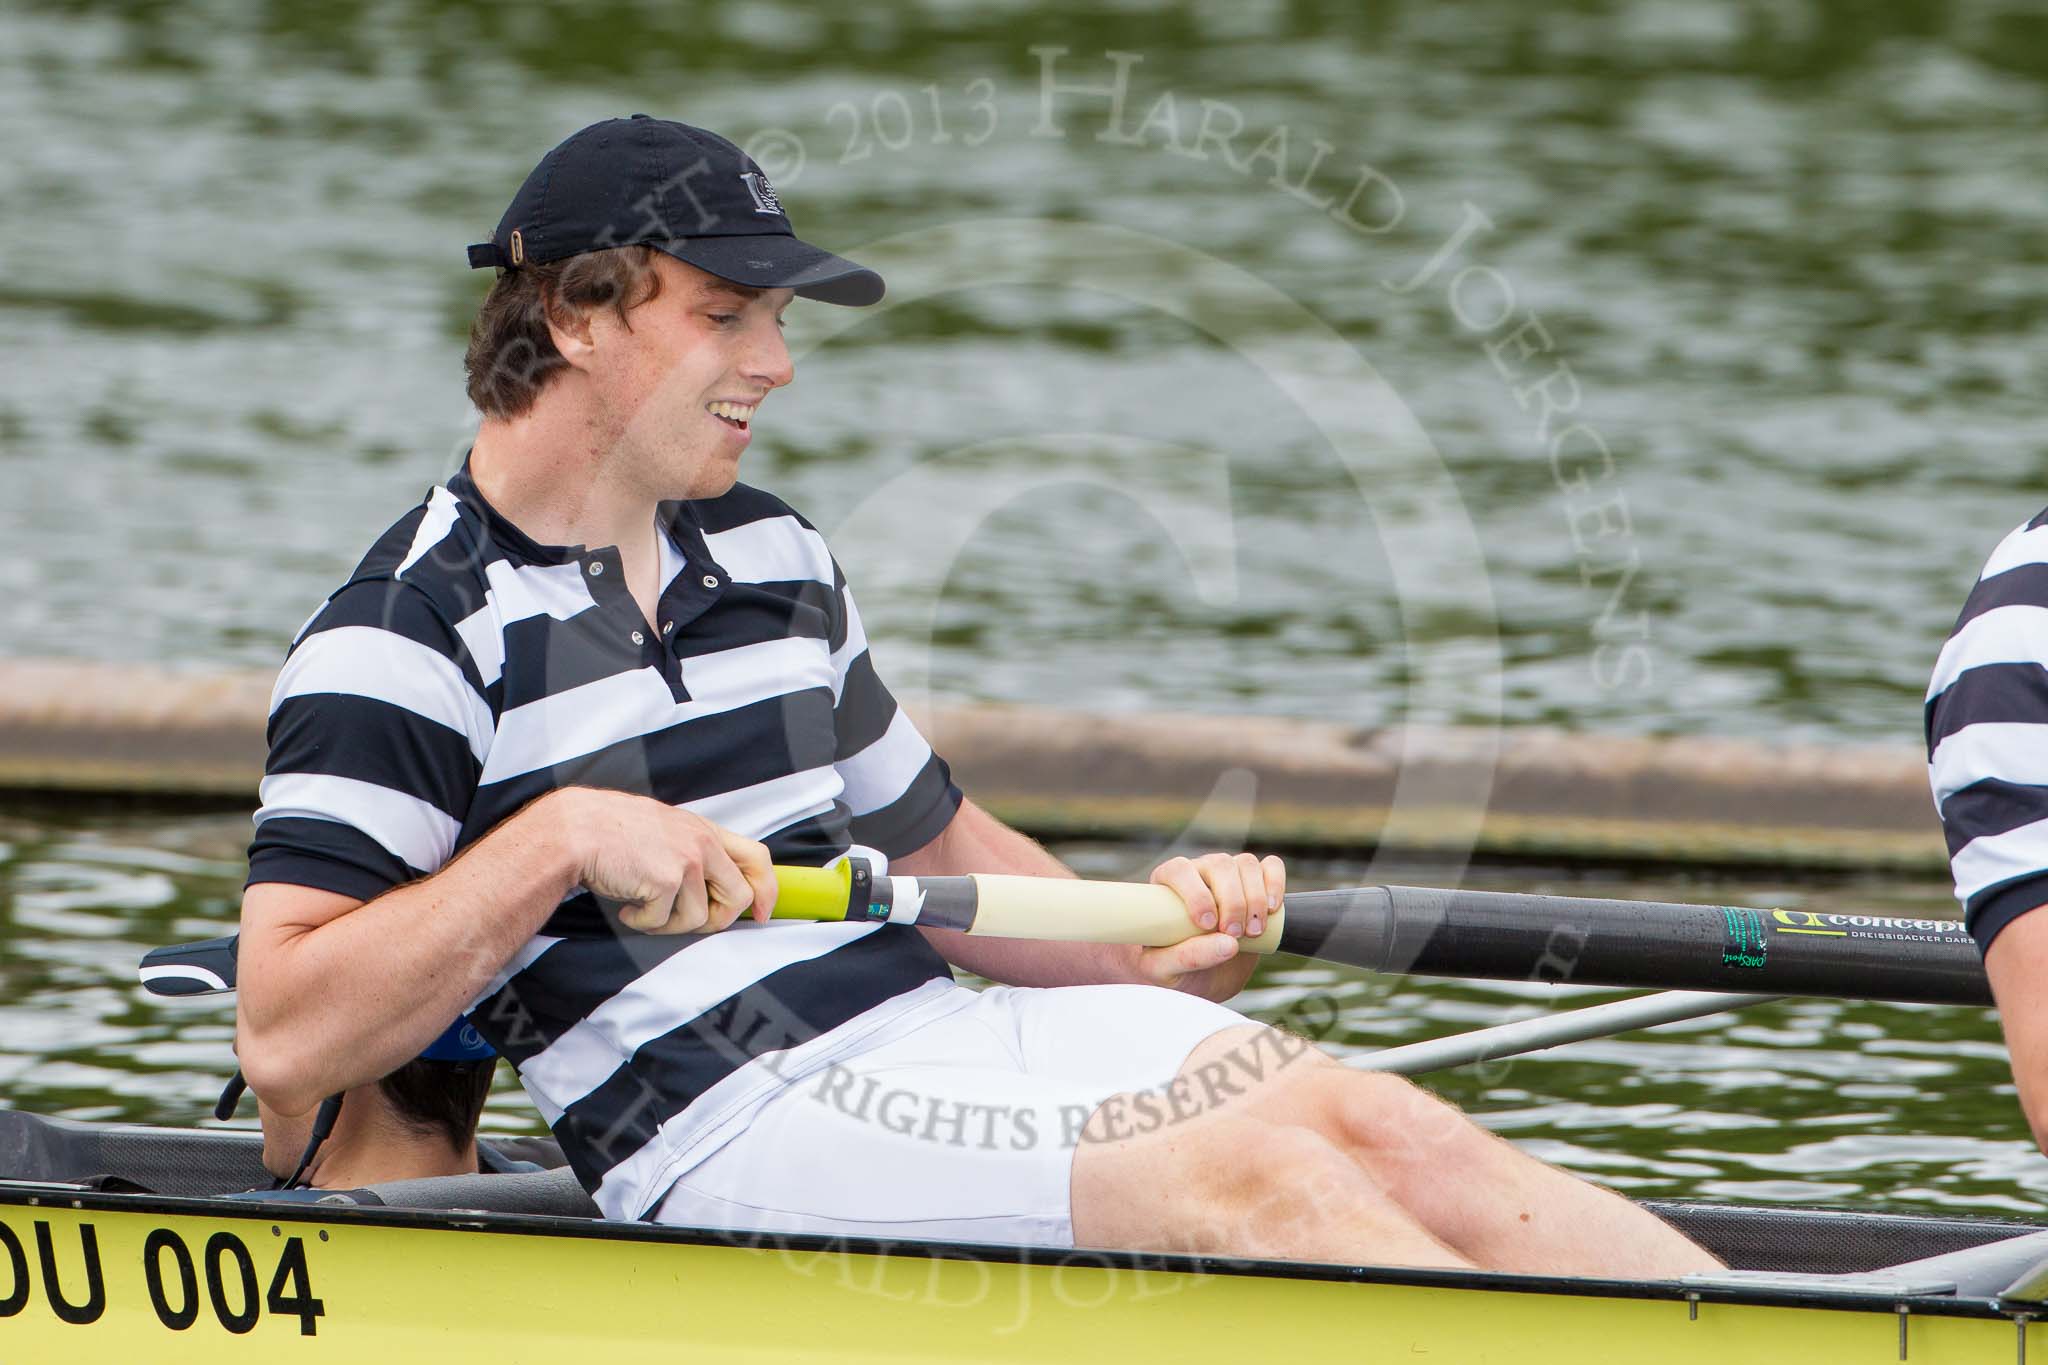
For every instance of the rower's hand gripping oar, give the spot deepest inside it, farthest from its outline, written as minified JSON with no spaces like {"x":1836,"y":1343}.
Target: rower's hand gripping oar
{"x":1481,"y":934}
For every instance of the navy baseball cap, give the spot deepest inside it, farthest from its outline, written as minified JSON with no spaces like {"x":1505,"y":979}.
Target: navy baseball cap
{"x":644,"y":181}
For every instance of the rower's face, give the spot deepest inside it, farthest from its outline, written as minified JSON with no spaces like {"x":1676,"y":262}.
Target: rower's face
{"x":700,"y":341}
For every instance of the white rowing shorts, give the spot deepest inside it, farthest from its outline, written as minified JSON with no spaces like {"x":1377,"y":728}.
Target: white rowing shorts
{"x":964,"y":1130}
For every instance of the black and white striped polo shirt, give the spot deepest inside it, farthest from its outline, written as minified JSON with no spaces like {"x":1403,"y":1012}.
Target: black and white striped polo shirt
{"x":464,"y":670}
{"x":1987,"y":736}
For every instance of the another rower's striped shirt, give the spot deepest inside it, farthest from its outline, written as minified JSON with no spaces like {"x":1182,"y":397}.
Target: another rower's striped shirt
{"x":1987,"y":736}
{"x":464,"y":670}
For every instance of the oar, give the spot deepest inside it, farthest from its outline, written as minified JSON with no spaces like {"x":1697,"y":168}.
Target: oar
{"x":1483,"y":934}
{"x":1554,"y":1030}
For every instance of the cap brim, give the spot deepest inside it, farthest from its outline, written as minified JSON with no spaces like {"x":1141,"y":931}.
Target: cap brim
{"x":776,"y":261}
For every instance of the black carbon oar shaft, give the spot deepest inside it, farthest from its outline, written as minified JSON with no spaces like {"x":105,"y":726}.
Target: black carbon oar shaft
{"x":1504,"y":936}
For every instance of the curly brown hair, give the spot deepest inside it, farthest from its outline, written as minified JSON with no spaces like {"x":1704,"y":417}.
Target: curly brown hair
{"x":511,"y":357}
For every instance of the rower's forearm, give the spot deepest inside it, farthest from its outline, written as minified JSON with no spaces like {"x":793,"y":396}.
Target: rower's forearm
{"x":322,"y":1008}
{"x":1033,"y":962}
{"x":2028,"y":1050}
{"x":978,"y":842}
{"x":2015,"y":964}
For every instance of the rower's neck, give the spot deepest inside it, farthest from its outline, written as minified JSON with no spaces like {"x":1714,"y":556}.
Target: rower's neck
{"x":370,"y":1145}
{"x":557,"y":484}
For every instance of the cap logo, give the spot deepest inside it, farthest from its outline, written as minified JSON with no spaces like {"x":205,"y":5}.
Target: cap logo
{"x":518,"y":248}
{"x":764,"y":196}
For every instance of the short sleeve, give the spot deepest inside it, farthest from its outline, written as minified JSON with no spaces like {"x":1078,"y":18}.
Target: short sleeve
{"x":378,"y":731}
{"x":1987,"y":737}
{"x":901,"y":793}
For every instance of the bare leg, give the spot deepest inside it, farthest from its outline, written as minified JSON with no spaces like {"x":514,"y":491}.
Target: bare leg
{"x":1426,"y":1183}
{"x":1474,"y":1190}
{"x":1235,"y":1186}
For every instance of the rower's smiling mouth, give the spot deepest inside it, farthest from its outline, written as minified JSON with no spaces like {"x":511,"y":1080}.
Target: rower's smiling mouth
{"x":738,"y":416}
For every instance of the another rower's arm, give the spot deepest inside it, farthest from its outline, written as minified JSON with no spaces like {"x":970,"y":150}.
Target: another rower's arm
{"x":975,"y":841}
{"x":2017,"y":963}
{"x":1986,"y":720}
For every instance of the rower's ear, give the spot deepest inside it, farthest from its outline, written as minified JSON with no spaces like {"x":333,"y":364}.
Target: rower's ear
{"x":569,"y":327}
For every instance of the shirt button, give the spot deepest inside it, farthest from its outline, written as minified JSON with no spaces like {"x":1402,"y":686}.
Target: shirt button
{"x":638,"y":638}
{"x":710,"y":580}
{"x":667,"y":627}
{"x":596,"y":567}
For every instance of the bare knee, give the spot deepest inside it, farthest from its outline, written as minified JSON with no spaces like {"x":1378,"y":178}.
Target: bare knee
{"x":1382,"y":1119}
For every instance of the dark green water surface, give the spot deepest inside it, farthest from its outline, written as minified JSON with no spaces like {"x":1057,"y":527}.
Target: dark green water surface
{"x":1791,"y":257}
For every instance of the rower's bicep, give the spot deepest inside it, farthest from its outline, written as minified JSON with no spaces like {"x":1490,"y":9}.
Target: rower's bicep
{"x":280,"y":910}
{"x":2017,"y":964}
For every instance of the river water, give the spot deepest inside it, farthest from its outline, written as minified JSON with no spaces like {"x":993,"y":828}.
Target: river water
{"x":1304,"y":416}
{"x":1792,"y":258}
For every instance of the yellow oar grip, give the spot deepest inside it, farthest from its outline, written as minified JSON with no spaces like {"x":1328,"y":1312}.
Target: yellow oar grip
{"x":812,"y":892}
{"x":1093,"y":912}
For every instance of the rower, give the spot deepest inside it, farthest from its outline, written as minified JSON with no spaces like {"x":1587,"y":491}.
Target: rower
{"x":541,"y":750}
{"x":1986,"y":717}
{"x":417,"y":1121}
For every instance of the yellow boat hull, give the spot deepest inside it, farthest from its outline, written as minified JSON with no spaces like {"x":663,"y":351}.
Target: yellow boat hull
{"x":122,"y":1278}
